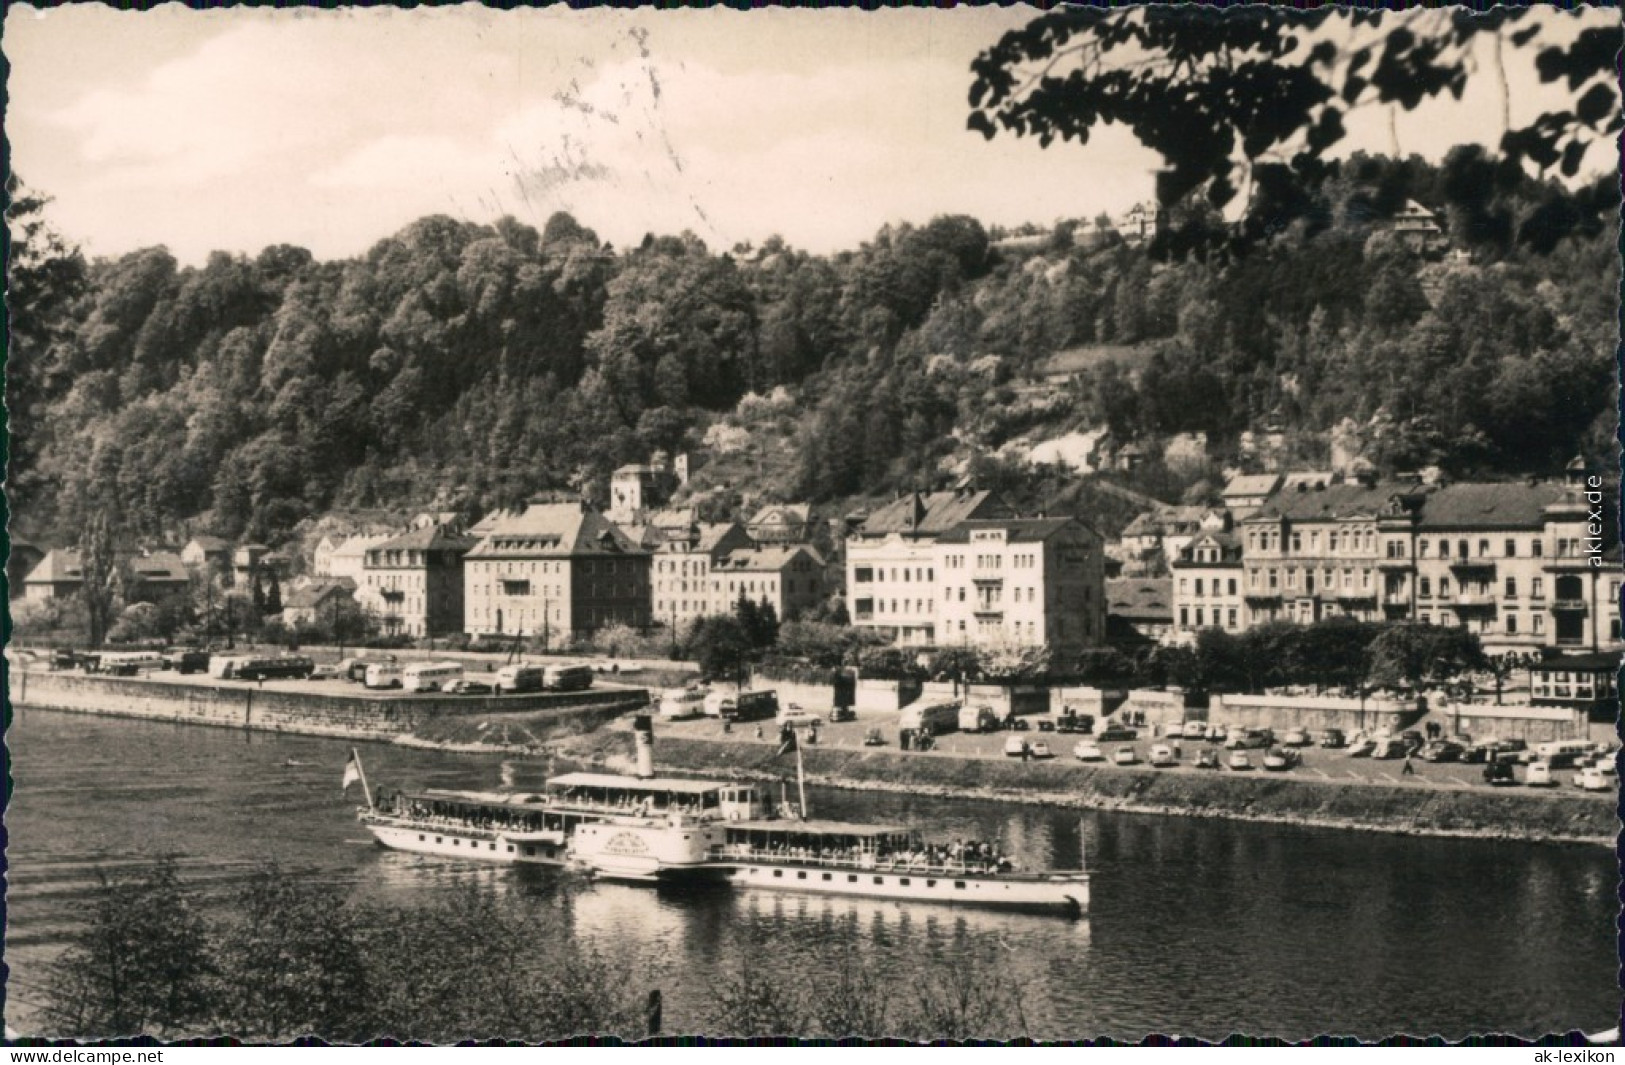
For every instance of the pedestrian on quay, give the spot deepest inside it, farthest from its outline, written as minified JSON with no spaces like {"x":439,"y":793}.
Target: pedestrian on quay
{"x":758,"y":732}
{"x":1409,"y":770}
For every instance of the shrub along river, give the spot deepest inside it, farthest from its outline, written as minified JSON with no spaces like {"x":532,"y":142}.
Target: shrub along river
{"x":1199,"y":927}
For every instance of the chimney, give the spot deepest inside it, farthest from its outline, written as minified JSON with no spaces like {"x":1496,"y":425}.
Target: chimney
{"x":643,"y":736}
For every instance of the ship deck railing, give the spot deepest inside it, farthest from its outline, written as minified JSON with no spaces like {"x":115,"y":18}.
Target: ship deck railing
{"x":734,"y":852}
{"x":456,"y":824}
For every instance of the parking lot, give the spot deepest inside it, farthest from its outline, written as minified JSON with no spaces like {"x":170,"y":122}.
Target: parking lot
{"x":1333,"y":765}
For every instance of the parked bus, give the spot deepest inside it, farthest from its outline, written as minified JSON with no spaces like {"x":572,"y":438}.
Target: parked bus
{"x":567,"y":678}
{"x":935,"y":718}
{"x":281,"y":666}
{"x":431,"y":676}
{"x":677,"y":704}
{"x":512,"y":679}
{"x":128,"y":663}
{"x":383,"y":675}
{"x":1560,"y":754}
{"x":751,"y":706}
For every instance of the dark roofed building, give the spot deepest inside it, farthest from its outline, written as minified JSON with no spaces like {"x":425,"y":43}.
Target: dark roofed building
{"x":1139,"y":609}
{"x":553,"y":571}
{"x":413,"y":583}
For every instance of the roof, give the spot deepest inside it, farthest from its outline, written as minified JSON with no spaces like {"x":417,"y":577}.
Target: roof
{"x":556,"y":530}
{"x":1489,"y":506}
{"x":1334,"y":502}
{"x":61,"y":564}
{"x":762,"y":559}
{"x":1251,"y":484}
{"x":711,"y":535}
{"x":356,"y":546}
{"x":677,"y":785}
{"x":788,"y":513}
{"x":672,"y":517}
{"x":159,"y":566}
{"x":209,"y":543}
{"x":428,"y":538}
{"x":928,"y":514}
{"x":311,"y":596}
{"x":819,"y":828}
{"x":1169,"y":518}
{"x":1600,"y":662}
{"x":1018,"y":530}
{"x":1140,"y":598}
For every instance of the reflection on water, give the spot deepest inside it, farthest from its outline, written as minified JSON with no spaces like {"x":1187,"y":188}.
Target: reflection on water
{"x":1199,"y":927}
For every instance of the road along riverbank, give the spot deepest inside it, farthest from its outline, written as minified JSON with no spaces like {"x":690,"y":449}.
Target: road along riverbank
{"x":1409,"y":808}
{"x":504,"y":723}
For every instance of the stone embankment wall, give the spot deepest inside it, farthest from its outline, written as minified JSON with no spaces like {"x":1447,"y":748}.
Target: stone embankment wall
{"x":1313,"y":712}
{"x":1410,"y":808}
{"x":245,"y":705}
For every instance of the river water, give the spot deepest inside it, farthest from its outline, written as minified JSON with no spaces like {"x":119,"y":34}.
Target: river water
{"x":1198,"y":928}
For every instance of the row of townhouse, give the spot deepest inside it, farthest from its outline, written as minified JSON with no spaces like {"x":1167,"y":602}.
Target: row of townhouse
{"x":1521,"y":564}
{"x":955,"y":568}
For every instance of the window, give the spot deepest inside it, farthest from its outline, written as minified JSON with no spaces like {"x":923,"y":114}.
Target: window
{"x":960,"y":884}
{"x":904,"y":881}
{"x":1483,"y":548}
{"x":1536,"y":548}
{"x":1512,"y":587}
{"x":1537,"y":588}
{"x":863,"y":575}
{"x":827,"y":877}
{"x":880,"y":880}
{"x":1297,"y":542}
{"x":1512,"y":623}
{"x":1444,"y":586}
{"x":1424,"y":587}
{"x":1539,"y":623}
{"x":1511,"y":548}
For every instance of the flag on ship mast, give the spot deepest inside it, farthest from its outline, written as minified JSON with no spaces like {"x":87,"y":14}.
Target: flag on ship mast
{"x":352,"y":772}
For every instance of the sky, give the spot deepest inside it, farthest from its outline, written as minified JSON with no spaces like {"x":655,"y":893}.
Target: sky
{"x":240,"y":128}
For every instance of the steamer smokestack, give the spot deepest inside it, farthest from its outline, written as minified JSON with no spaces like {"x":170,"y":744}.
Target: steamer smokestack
{"x":643,"y":735}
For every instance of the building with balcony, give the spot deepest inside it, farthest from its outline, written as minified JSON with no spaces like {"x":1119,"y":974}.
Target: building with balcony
{"x":682,"y":584}
{"x":1310,"y":553}
{"x":554,"y":571}
{"x":1208,"y":579}
{"x":1021,"y":581}
{"x":891,"y":567}
{"x":413,"y":583}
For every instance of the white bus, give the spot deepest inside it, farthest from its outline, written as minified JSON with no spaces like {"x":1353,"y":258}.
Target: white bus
{"x":431,"y":676}
{"x":1561,"y":753}
{"x":520,"y":678}
{"x":128,"y":663}
{"x":383,"y":675}
{"x":677,"y":704}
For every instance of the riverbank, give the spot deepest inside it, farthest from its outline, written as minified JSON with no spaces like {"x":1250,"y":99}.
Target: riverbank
{"x":505,"y":724}
{"x":1407,"y":808}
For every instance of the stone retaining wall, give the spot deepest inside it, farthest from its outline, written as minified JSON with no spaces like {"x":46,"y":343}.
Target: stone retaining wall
{"x":243,"y":705}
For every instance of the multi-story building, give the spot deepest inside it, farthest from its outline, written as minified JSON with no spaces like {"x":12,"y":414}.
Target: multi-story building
{"x":638,"y":488}
{"x":1521,"y":564}
{"x":1155,"y":538}
{"x":1208,"y":578}
{"x":1311,"y":553}
{"x":1021,"y":581}
{"x":787,"y":577}
{"x":413,"y":583}
{"x":205,"y":551}
{"x":891,"y":580}
{"x":1139,"y":610}
{"x":314,"y":601}
{"x":346,"y":557}
{"x":555,"y":571}
{"x":682,"y":585}
{"x":1244,"y":493}
{"x":152,"y":577}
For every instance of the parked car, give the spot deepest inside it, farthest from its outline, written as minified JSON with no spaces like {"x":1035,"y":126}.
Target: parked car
{"x":1296,"y":737}
{"x":1239,"y":761}
{"x":1162,"y":757}
{"x":1280,"y":759}
{"x":793,"y":716}
{"x":1243,"y":739}
{"x":1539,"y":775}
{"x":1443,"y":751}
{"x":470,"y":687}
{"x":1217,"y":733}
{"x":1390,"y":747}
{"x":1362,"y":747}
{"x":842,"y":713}
{"x":1126,"y":755}
{"x":1592,"y":778}
{"x":1413,"y":740}
{"x":1332,"y":738}
{"x":1015,"y":747}
{"x":1046,"y":725}
{"x":1114,"y":733}
{"x":1498,"y":774}
{"x":1207,"y":758}
{"x":325,"y":673}
{"x":1193,"y":730}
{"x":1086,"y":751}
{"x":1040,"y":749}
{"x":873,"y":738}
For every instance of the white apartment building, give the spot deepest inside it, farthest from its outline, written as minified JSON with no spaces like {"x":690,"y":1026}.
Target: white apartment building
{"x":1021,"y":581}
